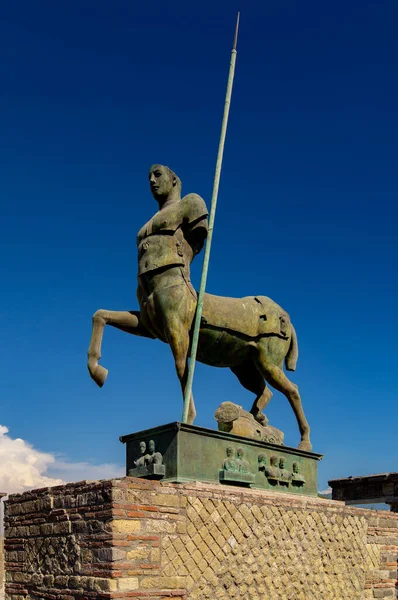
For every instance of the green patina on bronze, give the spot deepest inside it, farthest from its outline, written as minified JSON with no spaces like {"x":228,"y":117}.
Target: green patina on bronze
{"x":253,"y":336}
{"x":190,"y":453}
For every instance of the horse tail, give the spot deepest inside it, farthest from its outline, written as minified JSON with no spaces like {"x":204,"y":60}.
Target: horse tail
{"x":292,"y":354}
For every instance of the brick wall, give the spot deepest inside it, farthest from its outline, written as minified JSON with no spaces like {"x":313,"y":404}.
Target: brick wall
{"x":130,"y":538}
{"x":2,"y":494}
{"x":1,"y":568}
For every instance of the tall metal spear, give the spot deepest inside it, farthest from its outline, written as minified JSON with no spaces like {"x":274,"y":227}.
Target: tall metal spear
{"x":199,"y":308}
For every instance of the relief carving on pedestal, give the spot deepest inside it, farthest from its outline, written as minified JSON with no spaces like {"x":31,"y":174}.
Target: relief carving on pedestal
{"x":285,"y":476}
{"x":149,"y":463}
{"x":272,"y":472}
{"x":297,"y":478}
{"x":235,"y":468}
{"x":277,"y":473}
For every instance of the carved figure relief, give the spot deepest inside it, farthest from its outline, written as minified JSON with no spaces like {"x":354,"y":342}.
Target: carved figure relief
{"x":140,"y":462}
{"x":297,"y":477}
{"x":230,"y":463}
{"x":149,"y":463}
{"x":262,"y":462}
{"x":277,"y":473}
{"x":272,"y":472}
{"x":235,"y":468}
{"x":285,"y":476}
{"x":243,"y":465}
{"x":153,"y":457}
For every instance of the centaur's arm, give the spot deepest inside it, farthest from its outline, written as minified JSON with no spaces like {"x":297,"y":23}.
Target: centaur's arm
{"x":196,"y":234}
{"x":195,"y":221}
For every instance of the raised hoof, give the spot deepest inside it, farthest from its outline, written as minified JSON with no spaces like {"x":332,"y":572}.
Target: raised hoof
{"x":307,"y":446}
{"x":98,"y":374}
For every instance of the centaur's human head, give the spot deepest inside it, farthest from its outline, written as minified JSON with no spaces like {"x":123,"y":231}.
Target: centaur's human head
{"x":165,"y":184}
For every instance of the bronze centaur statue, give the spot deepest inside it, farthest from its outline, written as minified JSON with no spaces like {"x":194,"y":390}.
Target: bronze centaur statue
{"x":252,"y":336}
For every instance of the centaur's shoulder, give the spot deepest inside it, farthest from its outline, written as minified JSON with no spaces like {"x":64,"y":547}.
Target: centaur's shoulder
{"x":193,"y":207}
{"x":189,"y":209}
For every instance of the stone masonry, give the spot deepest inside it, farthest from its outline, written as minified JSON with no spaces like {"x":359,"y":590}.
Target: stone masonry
{"x":2,"y":494}
{"x":129,"y":538}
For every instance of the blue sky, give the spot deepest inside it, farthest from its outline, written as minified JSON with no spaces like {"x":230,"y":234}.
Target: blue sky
{"x":92,"y":94}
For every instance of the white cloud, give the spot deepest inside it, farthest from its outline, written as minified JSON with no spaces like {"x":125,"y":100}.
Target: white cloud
{"x":76,"y":471}
{"x":22,"y":467}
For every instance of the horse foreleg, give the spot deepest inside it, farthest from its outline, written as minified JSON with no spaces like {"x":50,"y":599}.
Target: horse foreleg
{"x":128,"y":321}
{"x":276,"y":377}
{"x":179,"y":344}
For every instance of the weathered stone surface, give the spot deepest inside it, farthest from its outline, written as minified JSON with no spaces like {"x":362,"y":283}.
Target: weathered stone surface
{"x":234,"y":419}
{"x":197,"y":541}
{"x":126,"y":526}
{"x":128,"y":584}
{"x":56,"y":555}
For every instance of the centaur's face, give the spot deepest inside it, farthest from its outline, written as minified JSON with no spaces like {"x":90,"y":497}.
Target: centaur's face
{"x":161,"y":181}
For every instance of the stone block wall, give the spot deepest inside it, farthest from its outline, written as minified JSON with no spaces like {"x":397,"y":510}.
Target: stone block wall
{"x":2,"y":494}
{"x":1,"y":568}
{"x":130,"y":538}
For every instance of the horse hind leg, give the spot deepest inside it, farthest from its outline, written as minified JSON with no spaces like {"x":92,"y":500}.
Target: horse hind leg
{"x":276,"y":377}
{"x":251,"y":379}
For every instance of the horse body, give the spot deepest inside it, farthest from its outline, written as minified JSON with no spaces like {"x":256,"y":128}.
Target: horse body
{"x":231,"y":328}
{"x":252,"y":336}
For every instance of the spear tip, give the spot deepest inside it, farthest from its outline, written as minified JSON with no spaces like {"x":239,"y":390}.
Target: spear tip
{"x":236,"y":31}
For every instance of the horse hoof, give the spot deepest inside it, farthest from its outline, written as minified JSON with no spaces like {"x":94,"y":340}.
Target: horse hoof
{"x":260,"y":418}
{"x":98,"y":374}
{"x":307,"y":446}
